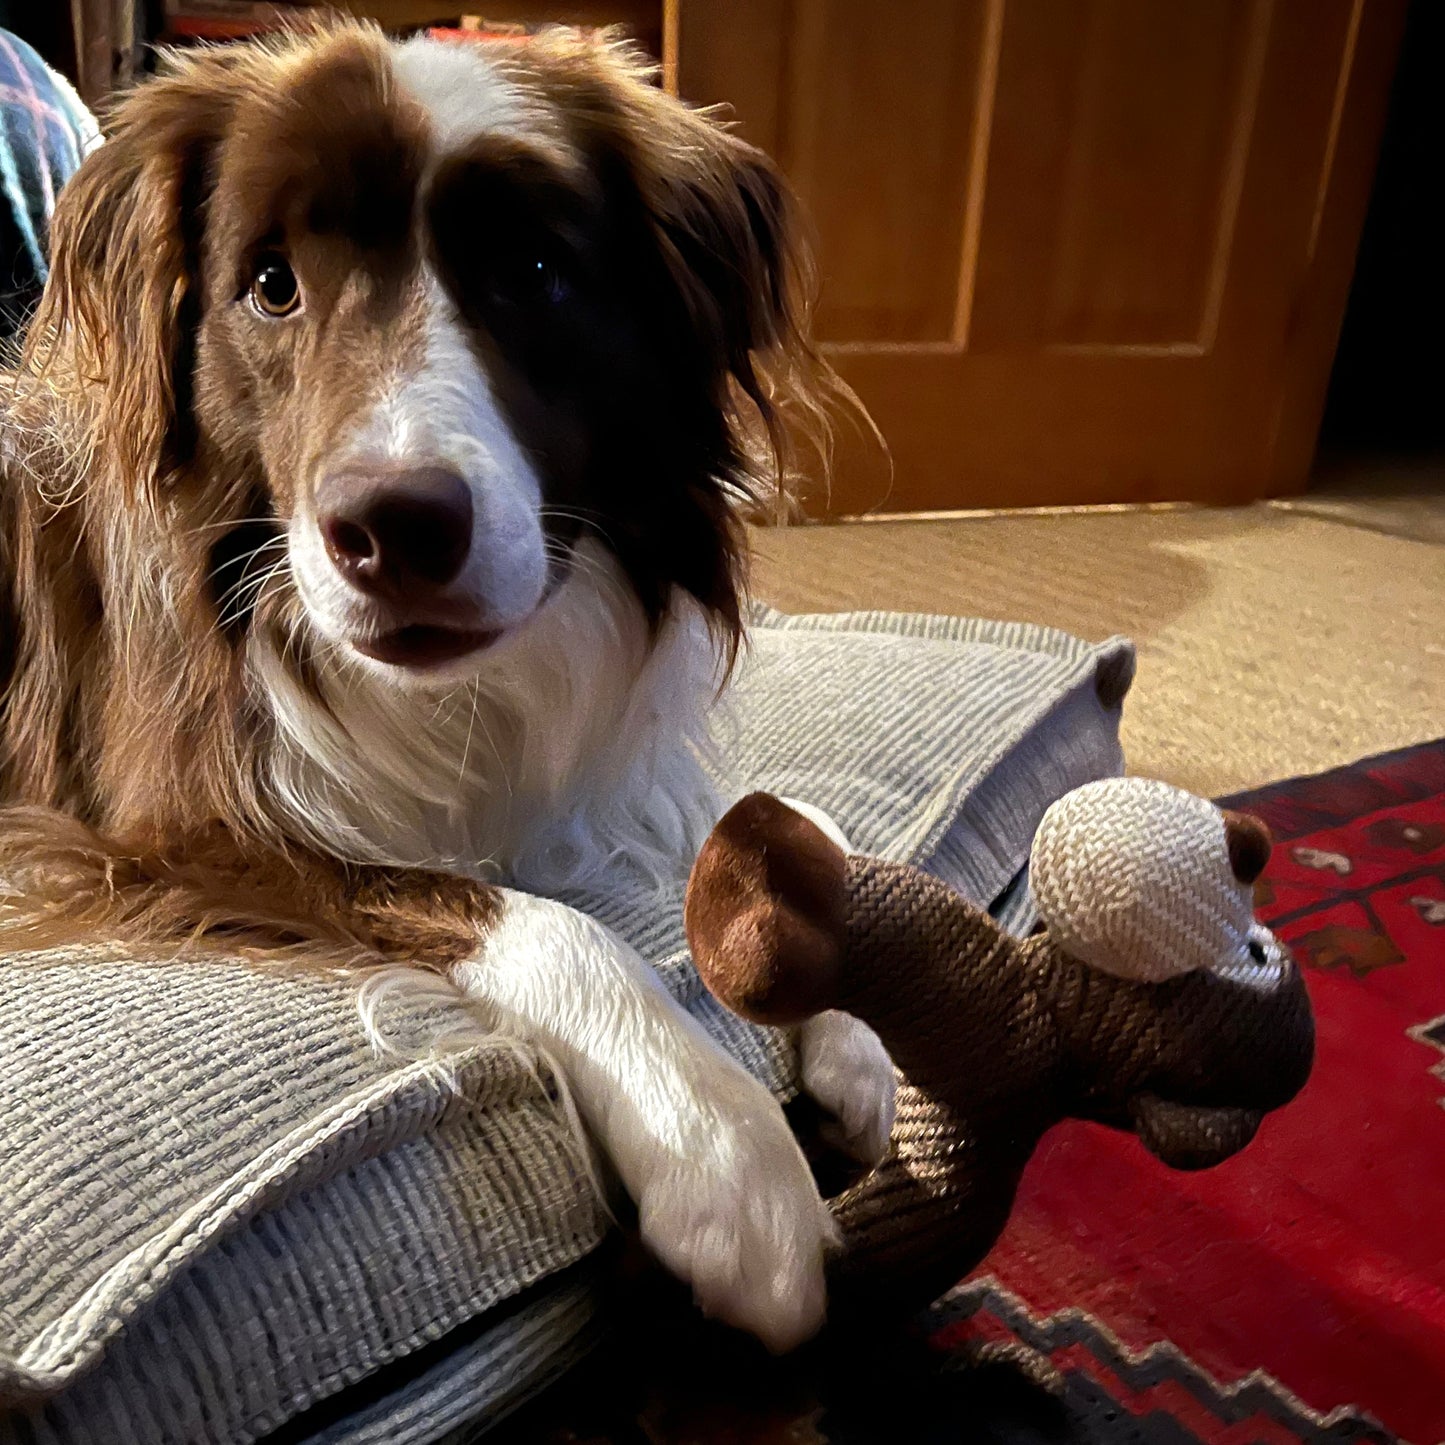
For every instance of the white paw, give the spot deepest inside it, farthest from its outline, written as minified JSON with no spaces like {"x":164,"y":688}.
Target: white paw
{"x":734,"y":1212}
{"x":847,"y":1070}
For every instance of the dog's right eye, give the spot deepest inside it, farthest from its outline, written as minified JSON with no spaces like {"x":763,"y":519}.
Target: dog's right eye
{"x":275,"y":290}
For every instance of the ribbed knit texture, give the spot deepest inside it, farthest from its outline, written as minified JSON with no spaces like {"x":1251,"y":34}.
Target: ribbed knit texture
{"x":218,"y":1209}
{"x":997,"y":1038}
{"x":964,"y":1030}
{"x":938,"y":741}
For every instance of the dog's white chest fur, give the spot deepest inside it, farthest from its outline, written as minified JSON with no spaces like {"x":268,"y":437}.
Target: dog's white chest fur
{"x":581,"y":744}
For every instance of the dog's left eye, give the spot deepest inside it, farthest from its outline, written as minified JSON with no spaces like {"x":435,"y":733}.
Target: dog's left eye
{"x":275,"y":291}
{"x":530,"y":278}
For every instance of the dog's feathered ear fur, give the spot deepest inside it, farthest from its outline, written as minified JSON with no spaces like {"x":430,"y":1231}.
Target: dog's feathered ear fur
{"x":100,"y":400}
{"x":9,"y":617}
{"x":726,"y":225}
{"x":119,"y":305}
{"x":724,"y":222}
{"x":722,"y":254}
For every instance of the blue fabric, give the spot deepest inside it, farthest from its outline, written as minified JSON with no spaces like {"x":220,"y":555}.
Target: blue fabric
{"x":45,"y":131}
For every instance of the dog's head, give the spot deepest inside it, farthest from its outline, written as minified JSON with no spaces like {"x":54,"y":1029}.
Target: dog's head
{"x":380,"y":331}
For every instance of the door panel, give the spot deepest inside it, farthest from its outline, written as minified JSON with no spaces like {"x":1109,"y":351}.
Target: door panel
{"x":1134,"y":149}
{"x":1072,"y":250}
{"x":898,"y":281}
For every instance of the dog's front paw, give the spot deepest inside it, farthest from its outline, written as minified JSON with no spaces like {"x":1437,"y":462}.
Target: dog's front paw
{"x":736,"y":1214}
{"x":845,"y":1067}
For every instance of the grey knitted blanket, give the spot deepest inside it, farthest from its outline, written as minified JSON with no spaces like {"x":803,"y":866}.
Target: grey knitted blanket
{"x":219,"y":1211}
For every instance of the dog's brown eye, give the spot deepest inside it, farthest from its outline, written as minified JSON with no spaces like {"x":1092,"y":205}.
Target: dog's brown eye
{"x":274,"y":288}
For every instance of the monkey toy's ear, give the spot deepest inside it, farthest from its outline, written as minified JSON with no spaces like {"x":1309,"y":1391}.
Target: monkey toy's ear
{"x":766,"y":912}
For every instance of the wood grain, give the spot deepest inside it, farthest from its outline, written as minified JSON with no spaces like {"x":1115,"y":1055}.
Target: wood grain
{"x":1072,"y":250}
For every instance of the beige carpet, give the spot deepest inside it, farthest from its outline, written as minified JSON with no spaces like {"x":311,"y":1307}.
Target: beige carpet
{"x":1272,"y":641}
{"x":1405,"y":498}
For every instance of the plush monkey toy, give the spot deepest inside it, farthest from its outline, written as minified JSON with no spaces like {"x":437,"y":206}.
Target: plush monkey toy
{"x":1151,"y":1001}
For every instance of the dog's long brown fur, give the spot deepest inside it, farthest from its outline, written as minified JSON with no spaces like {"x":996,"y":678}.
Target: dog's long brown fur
{"x":131,"y":744}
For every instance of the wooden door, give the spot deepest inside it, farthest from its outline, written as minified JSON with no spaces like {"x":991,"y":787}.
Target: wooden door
{"x":1072,"y":250}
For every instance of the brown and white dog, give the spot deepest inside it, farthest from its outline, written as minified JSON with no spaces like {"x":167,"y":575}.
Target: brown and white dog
{"x":370,"y":535}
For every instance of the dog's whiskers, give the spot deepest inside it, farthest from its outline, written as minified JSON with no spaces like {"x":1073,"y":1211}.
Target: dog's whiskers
{"x":587,"y":516}
{"x":246,"y":597}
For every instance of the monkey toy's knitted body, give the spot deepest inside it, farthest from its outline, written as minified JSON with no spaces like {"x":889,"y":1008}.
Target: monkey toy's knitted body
{"x":1151,"y":1001}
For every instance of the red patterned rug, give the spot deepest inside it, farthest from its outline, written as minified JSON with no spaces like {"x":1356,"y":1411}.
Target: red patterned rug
{"x":1296,"y":1293}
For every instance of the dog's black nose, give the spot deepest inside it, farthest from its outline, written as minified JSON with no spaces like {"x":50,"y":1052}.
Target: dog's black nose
{"x":394,"y":531}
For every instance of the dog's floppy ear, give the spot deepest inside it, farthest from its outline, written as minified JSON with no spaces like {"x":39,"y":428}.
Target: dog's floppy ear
{"x":726,"y":227}
{"x":9,"y":620}
{"x":120,"y":301}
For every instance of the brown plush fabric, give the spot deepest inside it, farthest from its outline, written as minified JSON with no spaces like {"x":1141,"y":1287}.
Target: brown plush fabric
{"x":995,"y":1039}
{"x":767,"y":903}
{"x":1249,"y":845}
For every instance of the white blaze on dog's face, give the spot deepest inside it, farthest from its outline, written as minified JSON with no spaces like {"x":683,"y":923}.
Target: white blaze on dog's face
{"x":463,"y":307}
{"x":419,"y":542}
